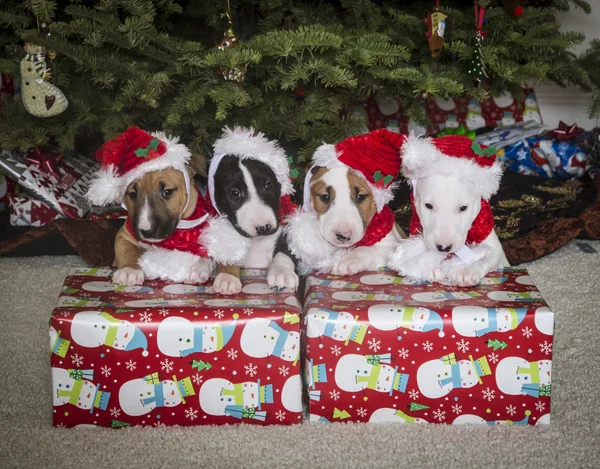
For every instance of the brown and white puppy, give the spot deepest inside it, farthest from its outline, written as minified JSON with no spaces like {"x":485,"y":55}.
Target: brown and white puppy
{"x":156,"y":204}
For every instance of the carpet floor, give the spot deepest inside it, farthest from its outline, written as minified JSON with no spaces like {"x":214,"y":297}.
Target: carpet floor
{"x":568,"y":279}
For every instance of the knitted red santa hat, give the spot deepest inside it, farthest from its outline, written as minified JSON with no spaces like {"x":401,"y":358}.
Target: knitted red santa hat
{"x":374,"y":156}
{"x":128,"y":157}
{"x":461,"y":157}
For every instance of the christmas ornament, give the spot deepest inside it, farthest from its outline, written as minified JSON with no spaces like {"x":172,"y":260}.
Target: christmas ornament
{"x":514,"y":7}
{"x":566,"y":132}
{"x":594,"y":148}
{"x":299,"y":92}
{"x":40,"y":98}
{"x":436,"y":27}
{"x":477,"y":66}
{"x":229,"y":41}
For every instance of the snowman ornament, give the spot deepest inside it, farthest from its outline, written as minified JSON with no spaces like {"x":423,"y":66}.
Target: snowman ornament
{"x":40,"y":98}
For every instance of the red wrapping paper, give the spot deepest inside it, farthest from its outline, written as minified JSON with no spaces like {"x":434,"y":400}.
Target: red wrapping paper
{"x":27,"y":211}
{"x":380,"y":348}
{"x":163,"y":354}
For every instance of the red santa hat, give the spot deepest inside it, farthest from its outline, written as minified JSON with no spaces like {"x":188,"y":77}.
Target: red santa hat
{"x":374,"y":156}
{"x":129,"y":156}
{"x":455,"y":155}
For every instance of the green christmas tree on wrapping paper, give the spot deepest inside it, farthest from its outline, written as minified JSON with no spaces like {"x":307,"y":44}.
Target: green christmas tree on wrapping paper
{"x":306,"y":64}
{"x":415,"y":406}
{"x":119,"y":424}
{"x":496,"y":344}
{"x":201,"y":365}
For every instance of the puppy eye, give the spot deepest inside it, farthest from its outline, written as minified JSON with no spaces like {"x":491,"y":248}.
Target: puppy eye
{"x":269,"y":185}
{"x":132,"y":195}
{"x":235,"y":193}
{"x":463,"y":208}
{"x":166,"y":193}
{"x":429,"y":206}
{"x":361,"y":197}
{"x":325,"y":198}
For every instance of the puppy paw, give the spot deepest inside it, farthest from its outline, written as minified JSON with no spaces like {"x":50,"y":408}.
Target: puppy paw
{"x":461,"y":275}
{"x":436,"y":275}
{"x":128,"y":276}
{"x":226,"y":284}
{"x":199,"y":272}
{"x":348,"y":265}
{"x":282,"y":277}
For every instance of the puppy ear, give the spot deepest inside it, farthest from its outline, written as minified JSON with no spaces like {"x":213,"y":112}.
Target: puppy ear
{"x":198,"y":164}
{"x":418,"y":156}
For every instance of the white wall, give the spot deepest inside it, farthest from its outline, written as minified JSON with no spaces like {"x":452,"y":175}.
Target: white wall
{"x":570,"y":105}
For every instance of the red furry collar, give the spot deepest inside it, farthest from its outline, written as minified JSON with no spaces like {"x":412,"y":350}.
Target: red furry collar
{"x":379,"y":227}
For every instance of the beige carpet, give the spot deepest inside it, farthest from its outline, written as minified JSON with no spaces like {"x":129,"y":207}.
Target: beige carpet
{"x":568,"y":279}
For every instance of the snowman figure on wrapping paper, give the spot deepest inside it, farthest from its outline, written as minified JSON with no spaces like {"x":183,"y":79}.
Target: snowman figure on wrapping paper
{"x":364,"y":296}
{"x":76,"y":302}
{"x":330,"y":282}
{"x":180,"y":337}
{"x":387,"y":279}
{"x":516,"y":376}
{"x":437,"y":378}
{"x":141,"y":396}
{"x":355,"y":373}
{"x":393,"y":317}
{"x":314,"y":374}
{"x":92,"y":271}
{"x":442,"y":295}
{"x":58,"y":345}
{"x":340,"y":326}
{"x":183,"y":289}
{"x":524,"y":296}
{"x":95,"y":328}
{"x":474,"y":118}
{"x":113,"y":287}
{"x":76,"y":388}
{"x":531,"y":111}
{"x":387,"y":415}
{"x":476,"y":321}
{"x":469,"y":419}
{"x":262,"y":338}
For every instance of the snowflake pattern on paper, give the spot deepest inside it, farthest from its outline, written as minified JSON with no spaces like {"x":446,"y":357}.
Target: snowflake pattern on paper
{"x":115,"y":413}
{"x":439,"y":415}
{"x":163,"y":312}
{"x":527,"y":332}
{"x":540,"y":406}
{"x":197,"y":379}
{"x":493,"y":358}
{"x":232,"y":354}
{"x":166,"y":365}
{"x":463,"y":345}
{"x":334,"y":395}
{"x":77,"y":360}
{"x":427,"y":346}
{"x":145,"y":317}
{"x":546,"y":348}
{"x":248,"y":311}
{"x":159,"y":424}
{"x":361,"y":412}
{"x":280,"y":415}
{"x":457,"y":409}
{"x":511,"y":410}
{"x":219,"y":314}
{"x":191,"y":414}
{"x":489,"y":394}
{"x":403,"y":353}
{"x":336,"y":350}
{"x":284,"y":370}
{"x":250,"y":369}
{"x":374,"y":345}
{"x":130,"y":365}
{"x":105,"y":370}
{"x":413,"y":394}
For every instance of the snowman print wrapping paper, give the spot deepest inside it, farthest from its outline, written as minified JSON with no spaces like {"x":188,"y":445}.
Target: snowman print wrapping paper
{"x":169,"y":354}
{"x":383,"y":349}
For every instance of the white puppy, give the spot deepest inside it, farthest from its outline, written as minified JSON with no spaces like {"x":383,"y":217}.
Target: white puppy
{"x":453,"y":240}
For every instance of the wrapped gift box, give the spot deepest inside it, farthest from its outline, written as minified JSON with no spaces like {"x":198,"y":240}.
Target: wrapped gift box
{"x":8,"y":188}
{"x":59,"y":182}
{"x":27,"y":211}
{"x":381,"y":348}
{"x":167,"y":354}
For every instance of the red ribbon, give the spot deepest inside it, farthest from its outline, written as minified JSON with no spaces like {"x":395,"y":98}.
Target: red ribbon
{"x":46,"y":161}
{"x":566,"y":132}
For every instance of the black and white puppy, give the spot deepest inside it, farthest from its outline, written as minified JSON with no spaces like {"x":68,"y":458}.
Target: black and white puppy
{"x":249,"y":189}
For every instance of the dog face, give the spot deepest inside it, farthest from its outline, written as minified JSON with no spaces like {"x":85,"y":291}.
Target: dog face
{"x":344,"y":205}
{"x":447,"y":208}
{"x":248,"y":192}
{"x":155,"y":203}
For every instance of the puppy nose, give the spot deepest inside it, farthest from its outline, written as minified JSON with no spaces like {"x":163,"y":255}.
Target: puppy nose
{"x":263,"y":229}
{"x":444,"y":248}
{"x":343,"y":235}
{"x":147,"y":233}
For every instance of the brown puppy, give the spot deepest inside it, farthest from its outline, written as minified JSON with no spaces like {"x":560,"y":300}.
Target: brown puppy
{"x":156,"y":203}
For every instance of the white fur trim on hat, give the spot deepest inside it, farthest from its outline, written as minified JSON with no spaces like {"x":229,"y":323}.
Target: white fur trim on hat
{"x":246,"y":143}
{"x":308,"y":245}
{"x":326,"y":156}
{"x":421,"y":158}
{"x":223,"y":243}
{"x":174,"y":265}
{"x":108,"y":187}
